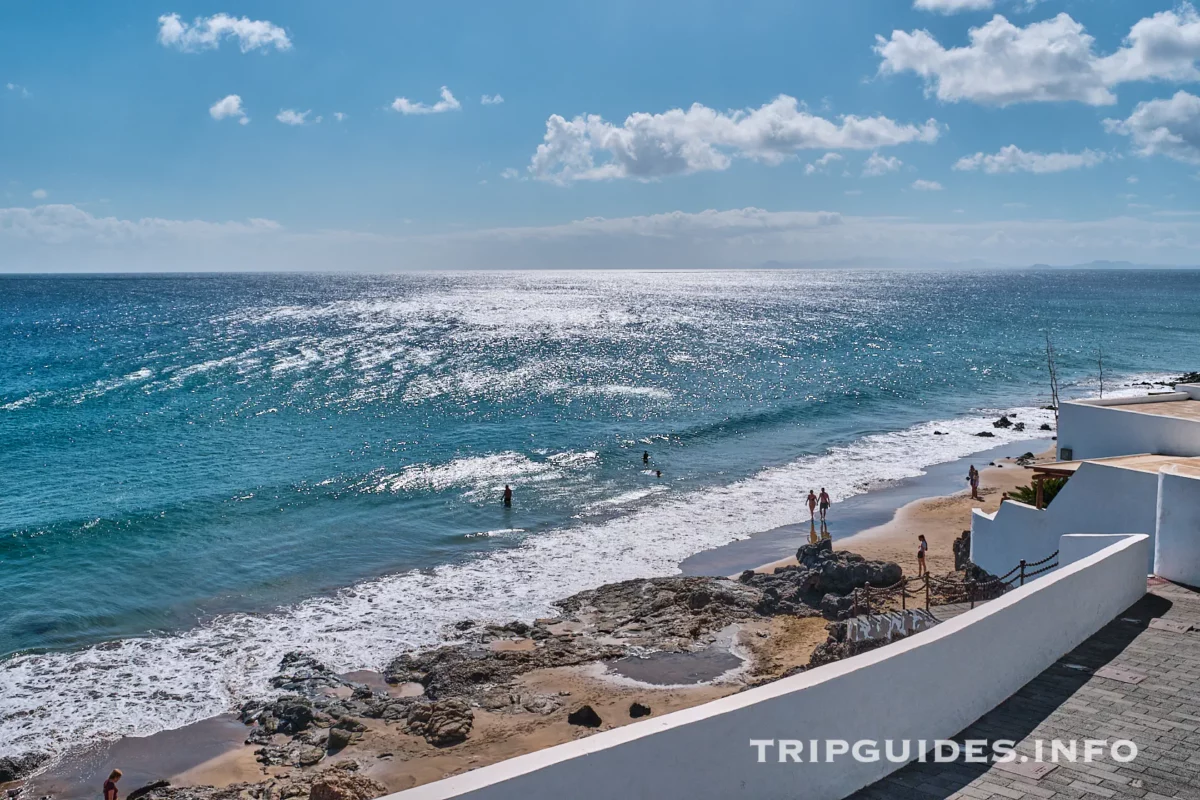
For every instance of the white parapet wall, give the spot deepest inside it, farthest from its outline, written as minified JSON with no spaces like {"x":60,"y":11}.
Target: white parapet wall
{"x":929,"y":686}
{"x":1177,"y":544}
{"x":1113,"y":427}
{"x":1097,"y":499}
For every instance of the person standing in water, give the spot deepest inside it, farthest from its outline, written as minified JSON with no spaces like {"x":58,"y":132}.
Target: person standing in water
{"x":812,"y":504}
{"x":922,"y":547}
{"x":825,"y":503}
{"x":507,"y":496}
{"x":110,"y":785}
{"x":645,"y":456}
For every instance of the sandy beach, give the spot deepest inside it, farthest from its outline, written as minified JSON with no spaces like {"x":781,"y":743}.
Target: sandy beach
{"x":765,"y":649}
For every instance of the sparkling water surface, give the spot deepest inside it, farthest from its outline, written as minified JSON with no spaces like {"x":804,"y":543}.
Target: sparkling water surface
{"x":201,"y":472}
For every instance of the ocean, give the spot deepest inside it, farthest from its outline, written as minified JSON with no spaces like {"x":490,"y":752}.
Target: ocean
{"x":203,"y":472}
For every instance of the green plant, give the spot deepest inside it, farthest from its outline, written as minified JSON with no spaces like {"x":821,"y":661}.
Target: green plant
{"x":1028,"y":494}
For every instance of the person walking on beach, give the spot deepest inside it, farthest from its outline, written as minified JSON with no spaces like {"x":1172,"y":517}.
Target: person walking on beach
{"x":110,"y":785}
{"x":812,"y":504}
{"x":507,"y":496}
{"x":921,"y":549}
{"x":825,"y":503}
{"x":973,"y":478}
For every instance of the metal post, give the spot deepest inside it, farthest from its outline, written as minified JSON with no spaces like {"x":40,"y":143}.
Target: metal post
{"x":1022,"y":572}
{"x":971,"y":584}
{"x":904,"y":596}
{"x":867,"y":595}
{"x":926,"y":591}
{"x":854,"y":603}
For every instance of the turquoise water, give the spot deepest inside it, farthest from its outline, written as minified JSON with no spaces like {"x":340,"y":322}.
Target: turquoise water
{"x":201,"y":472}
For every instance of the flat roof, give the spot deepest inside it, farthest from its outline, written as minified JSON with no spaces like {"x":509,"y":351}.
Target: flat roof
{"x":1181,"y":409}
{"x":1142,"y":462}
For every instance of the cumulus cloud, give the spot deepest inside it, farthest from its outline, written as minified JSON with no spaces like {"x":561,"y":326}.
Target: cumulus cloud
{"x":509,"y":174}
{"x":926,"y":186}
{"x":649,"y":146}
{"x":878,"y":165}
{"x":206,"y":33}
{"x":1169,"y":127}
{"x":339,"y":116}
{"x":38,"y":194}
{"x":491,"y":100}
{"x":952,"y":6}
{"x":291,"y":117}
{"x":17,"y":88}
{"x":1052,"y":60}
{"x":447,"y":103}
{"x":229,"y":106}
{"x":1014,"y":159}
{"x":821,"y":163}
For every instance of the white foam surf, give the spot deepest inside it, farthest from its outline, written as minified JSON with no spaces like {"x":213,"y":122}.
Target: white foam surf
{"x":135,"y":687}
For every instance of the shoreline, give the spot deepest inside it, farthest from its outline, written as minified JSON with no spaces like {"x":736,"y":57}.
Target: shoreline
{"x":877,"y":523}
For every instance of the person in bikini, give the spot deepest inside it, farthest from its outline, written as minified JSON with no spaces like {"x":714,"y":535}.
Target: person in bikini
{"x":812,"y":504}
{"x":922,"y":547}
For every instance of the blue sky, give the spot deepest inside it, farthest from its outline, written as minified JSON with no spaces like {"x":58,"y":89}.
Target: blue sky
{"x":858,"y":132}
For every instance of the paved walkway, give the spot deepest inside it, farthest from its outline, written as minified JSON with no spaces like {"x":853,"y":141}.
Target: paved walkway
{"x":1087,"y":695}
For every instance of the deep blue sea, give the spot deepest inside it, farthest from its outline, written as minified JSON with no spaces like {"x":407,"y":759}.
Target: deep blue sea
{"x":200,"y":473}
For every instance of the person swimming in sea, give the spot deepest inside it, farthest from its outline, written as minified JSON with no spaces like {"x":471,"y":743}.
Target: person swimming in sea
{"x":507,"y":496}
{"x":645,"y":456}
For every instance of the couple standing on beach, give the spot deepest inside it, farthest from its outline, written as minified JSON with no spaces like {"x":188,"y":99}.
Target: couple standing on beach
{"x":973,"y":479}
{"x":823,"y":501}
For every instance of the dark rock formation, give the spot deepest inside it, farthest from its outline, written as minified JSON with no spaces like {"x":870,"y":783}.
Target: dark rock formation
{"x":821,"y":580}
{"x":142,"y":791}
{"x":1003,"y":422}
{"x":1020,"y":426}
{"x":637,"y":710}
{"x":14,"y":768}
{"x":1045,"y":426}
{"x":442,"y":723}
{"x":339,"y":782}
{"x":985,"y":434}
{"x":585,"y":716}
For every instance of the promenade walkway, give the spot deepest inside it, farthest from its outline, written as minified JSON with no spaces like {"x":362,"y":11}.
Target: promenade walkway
{"x":1138,"y":678}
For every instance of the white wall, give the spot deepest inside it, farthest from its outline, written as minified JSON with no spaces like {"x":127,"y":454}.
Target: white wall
{"x":1097,"y":499}
{"x":1095,"y":429}
{"x":931,"y":685}
{"x":1177,"y":547}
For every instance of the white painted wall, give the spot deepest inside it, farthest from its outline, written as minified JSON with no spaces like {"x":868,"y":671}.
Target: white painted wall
{"x":931,"y":685}
{"x":1105,"y":428}
{"x":1177,"y":546}
{"x":1097,"y":499}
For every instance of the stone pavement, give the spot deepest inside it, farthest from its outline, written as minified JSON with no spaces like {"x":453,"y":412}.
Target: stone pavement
{"x":1087,"y":694}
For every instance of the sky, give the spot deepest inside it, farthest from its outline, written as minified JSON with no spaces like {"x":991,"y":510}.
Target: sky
{"x":389,"y":136}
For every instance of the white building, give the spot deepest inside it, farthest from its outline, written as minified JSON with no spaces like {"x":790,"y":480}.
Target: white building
{"x":1132,"y":466}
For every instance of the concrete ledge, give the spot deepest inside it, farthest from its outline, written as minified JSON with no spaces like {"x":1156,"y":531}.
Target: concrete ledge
{"x":931,"y":685}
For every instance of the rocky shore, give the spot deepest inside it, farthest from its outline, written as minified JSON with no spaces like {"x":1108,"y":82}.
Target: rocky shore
{"x":329,"y":737}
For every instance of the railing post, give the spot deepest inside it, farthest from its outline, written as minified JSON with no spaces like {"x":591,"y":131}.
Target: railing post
{"x":904,"y":596}
{"x":854,"y":603}
{"x":867,"y":595}
{"x":926,"y":591}
{"x":971,"y":590}
{"x":1022,"y":572}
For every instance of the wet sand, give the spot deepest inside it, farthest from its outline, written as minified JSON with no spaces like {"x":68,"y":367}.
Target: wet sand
{"x":880,"y":524}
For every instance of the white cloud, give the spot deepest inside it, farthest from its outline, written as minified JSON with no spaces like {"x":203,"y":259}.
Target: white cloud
{"x":62,"y":237}
{"x":229,"y":106}
{"x":650,"y":146}
{"x":952,"y":6}
{"x":18,"y":88}
{"x":206,"y":33}
{"x":339,"y":116}
{"x":1052,"y":60}
{"x":447,"y":103}
{"x":510,"y":174}
{"x":878,"y":165}
{"x":1132,"y":179}
{"x":291,"y":117}
{"x":1014,"y":159}
{"x":822,"y":162}
{"x":852,"y":192}
{"x":491,"y":100}
{"x":1168,"y":127}
{"x":926,"y":186}
{"x":38,"y":194}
